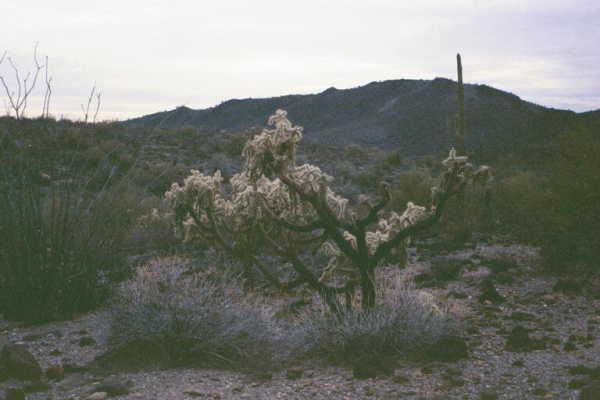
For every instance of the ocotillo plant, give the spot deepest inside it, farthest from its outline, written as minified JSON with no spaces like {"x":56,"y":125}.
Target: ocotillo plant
{"x":274,"y":207}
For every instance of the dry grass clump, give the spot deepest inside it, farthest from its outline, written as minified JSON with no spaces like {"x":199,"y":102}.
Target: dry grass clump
{"x":196,"y":320}
{"x":404,"y":324}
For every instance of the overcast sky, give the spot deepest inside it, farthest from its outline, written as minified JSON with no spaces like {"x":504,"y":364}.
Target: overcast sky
{"x":148,"y":56}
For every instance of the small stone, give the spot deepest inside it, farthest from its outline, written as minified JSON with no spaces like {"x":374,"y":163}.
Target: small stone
{"x":98,"y":396}
{"x":194,"y":393}
{"x":114,"y":386}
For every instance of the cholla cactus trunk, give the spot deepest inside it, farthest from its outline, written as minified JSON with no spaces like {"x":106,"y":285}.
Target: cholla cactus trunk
{"x":275,"y":208}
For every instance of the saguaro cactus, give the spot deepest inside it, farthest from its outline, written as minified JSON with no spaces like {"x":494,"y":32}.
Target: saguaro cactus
{"x":460,"y":118}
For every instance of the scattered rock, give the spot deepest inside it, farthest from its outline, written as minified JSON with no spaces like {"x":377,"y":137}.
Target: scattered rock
{"x":20,"y":363}
{"x":194,"y":393}
{"x":73,"y":381}
{"x":98,"y":396}
{"x":55,"y":352}
{"x":114,"y":386}
{"x":448,"y":348}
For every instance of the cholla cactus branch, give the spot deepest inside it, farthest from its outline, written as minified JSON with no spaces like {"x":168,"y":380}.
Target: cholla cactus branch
{"x":374,"y":211}
{"x":298,"y":228}
{"x":277,"y":208}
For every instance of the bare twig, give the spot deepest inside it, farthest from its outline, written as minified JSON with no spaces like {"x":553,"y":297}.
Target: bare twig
{"x":18,"y":100}
{"x":86,"y":110}
{"x":47,"y":94}
{"x":97,"y":106}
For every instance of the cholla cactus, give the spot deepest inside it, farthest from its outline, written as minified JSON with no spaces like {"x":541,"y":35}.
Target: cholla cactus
{"x":276,"y":208}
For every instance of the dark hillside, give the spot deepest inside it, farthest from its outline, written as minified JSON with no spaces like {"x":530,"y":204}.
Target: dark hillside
{"x":415,"y":116}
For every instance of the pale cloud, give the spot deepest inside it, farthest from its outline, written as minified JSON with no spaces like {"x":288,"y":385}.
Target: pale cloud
{"x":148,"y":56}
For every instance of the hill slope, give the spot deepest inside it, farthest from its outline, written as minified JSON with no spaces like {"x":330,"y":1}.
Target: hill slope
{"x":415,"y":116}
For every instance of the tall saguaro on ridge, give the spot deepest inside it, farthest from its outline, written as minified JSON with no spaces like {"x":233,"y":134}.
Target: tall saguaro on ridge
{"x":460,"y":123}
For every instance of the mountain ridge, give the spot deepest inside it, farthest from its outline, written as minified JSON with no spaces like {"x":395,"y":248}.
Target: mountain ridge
{"x":416,"y":116}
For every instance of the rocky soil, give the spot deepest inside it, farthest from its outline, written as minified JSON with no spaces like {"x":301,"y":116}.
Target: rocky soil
{"x":530,"y":336}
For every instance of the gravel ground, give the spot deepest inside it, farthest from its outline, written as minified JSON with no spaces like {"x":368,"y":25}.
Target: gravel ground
{"x":568,"y":324}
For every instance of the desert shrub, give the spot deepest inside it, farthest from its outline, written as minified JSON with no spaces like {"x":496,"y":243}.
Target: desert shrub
{"x":60,"y":247}
{"x":558,"y":211}
{"x":356,"y":153}
{"x":522,"y":205}
{"x":233,"y":145}
{"x":156,"y":178}
{"x":574,"y":236}
{"x":412,"y":185}
{"x":155,"y":228}
{"x":93,"y":156}
{"x":394,"y":158}
{"x":196,"y":321}
{"x":279,"y":209}
{"x":404,"y":327}
{"x":373,"y":175}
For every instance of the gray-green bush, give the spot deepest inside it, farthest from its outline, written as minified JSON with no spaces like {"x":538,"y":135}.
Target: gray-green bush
{"x":404,"y":328}
{"x":196,"y":320}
